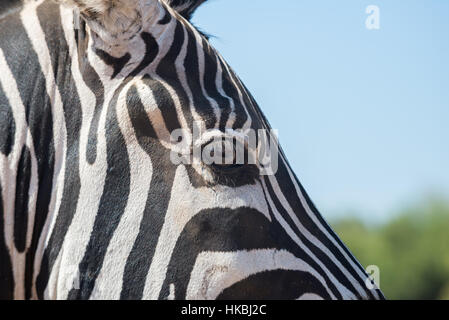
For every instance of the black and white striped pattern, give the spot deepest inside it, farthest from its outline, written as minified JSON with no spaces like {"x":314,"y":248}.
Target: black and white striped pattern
{"x":92,"y":207}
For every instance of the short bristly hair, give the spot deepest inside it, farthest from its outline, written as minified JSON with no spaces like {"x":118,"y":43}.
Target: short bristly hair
{"x":184,"y":7}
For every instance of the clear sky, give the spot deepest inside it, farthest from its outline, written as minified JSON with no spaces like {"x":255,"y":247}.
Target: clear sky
{"x":363,"y":115}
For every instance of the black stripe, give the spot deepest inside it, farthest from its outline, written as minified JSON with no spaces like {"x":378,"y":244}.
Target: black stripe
{"x":296,"y":249}
{"x":166,"y":19}
{"x":21,"y":201}
{"x":191,"y":64}
{"x":337,"y":239}
{"x":151,"y":51}
{"x":167,"y":70}
{"x":275,"y":285}
{"x":116,"y":188}
{"x":164,"y":102}
{"x":158,"y":198}
{"x":326,"y":225}
{"x":253,"y":108}
{"x":112,"y":204}
{"x":188,"y":7}
{"x":116,"y":63}
{"x":7,"y":125}
{"x":24,"y":64}
{"x":289,"y":192}
{"x":221,"y":230}
{"x":248,"y":101}
{"x":231,"y":91}
{"x":210,"y":75}
{"x":59,"y":52}
{"x":93,"y":82}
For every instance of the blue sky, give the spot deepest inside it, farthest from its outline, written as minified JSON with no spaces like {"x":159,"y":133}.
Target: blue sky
{"x":363,"y":115}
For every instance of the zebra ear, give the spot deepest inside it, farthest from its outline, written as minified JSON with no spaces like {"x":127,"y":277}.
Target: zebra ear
{"x":186,"y":8}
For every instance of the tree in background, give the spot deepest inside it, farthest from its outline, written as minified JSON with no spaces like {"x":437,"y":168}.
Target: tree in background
{"x":412,"y":250}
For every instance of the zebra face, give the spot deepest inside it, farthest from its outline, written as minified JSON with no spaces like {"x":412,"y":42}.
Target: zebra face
{"x":207,"y":229}
{"x":173,"y":182}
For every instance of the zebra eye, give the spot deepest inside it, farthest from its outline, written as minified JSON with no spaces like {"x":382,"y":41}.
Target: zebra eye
{"x":227,"y":160}
{"x":222,"y":154}
{"x":226,"y":168}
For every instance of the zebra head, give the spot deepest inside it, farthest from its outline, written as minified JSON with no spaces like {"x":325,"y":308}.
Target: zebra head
{"x":174,"y":185}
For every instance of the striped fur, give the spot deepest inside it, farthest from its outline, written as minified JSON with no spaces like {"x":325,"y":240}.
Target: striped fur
{"x":92,"y":207}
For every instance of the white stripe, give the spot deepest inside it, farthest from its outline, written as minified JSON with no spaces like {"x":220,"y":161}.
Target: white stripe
{"x":153,"y":111}
{"x":343,"y":290}
{"x":201,"y":66}
{"x":215,"y":271}
{"x":219,"y":85}
{"x":248,"y":122}
{"x":311,"y":214}
{"x":183,"y":76}
{"x":36,"y":35}
{"x":108,"y":284}
{"x":305,"y":232}
{"x":310,"y":296}
{"x":92,"y":176}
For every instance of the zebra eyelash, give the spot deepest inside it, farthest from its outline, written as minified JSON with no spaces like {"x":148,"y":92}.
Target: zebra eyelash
{"x":232,"y":174}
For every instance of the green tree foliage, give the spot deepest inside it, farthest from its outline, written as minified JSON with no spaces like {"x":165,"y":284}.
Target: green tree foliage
{"x":412,"y":250}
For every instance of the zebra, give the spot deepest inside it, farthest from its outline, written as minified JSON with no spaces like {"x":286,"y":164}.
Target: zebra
{"x":92,"y":205}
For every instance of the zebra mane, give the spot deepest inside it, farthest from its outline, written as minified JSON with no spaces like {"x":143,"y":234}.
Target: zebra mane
{"x":186,"y":8}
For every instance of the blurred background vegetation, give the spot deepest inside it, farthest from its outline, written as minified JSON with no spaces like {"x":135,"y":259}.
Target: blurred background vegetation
{"x":411,"y":250}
